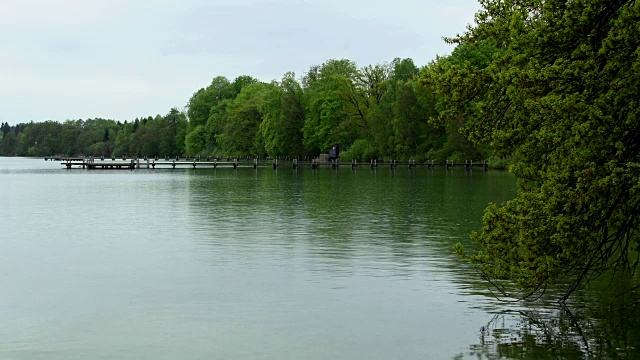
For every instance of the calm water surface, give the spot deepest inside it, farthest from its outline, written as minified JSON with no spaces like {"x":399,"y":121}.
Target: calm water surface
{"x":245,"y":264}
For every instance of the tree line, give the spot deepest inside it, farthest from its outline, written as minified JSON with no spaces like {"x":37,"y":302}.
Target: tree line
{"x":383,"y":111}
{"x":148,"y":136}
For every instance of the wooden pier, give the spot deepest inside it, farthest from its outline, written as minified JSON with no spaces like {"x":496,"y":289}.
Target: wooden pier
{"x":124,"y":164}
{"x":103,"y":165}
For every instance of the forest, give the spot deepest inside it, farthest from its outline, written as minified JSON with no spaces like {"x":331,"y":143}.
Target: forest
{"x":383,"y":111}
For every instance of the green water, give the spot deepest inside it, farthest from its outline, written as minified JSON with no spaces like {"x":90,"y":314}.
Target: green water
{"x":264,"y":264}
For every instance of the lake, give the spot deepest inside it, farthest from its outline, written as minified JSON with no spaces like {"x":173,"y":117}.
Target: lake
{"x":263,"y":264}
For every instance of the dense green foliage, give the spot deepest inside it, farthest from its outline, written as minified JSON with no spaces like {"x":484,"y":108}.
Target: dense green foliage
{"x":557,"y":90}
{"x":162,"y":135}
{"x":380,"y":111}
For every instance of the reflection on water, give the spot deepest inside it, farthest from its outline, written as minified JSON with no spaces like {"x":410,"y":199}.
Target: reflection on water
{"x":381,"y":218}
{"x":263,"y":264}
{"x":601,"y":322}
{"x":590,"y":332}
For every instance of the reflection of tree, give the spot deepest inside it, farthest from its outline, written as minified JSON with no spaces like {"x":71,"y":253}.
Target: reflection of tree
{"x":400,"y":217}
{"x":592,"y":332}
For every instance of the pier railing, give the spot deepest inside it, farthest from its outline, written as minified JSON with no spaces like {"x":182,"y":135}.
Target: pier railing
{"x":211,"y":162}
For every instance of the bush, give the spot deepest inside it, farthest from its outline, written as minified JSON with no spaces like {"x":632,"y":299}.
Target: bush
{"x":360,"y":150}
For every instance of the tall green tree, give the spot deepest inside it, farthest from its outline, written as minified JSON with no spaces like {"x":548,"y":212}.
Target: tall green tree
{"x":240,"y":83}
{"x":560,"y":94}
{"x":466,"y":60}
{"x":201,"y":102}
{"x":283,"y":118}
{"x":215,"y":126}
{"x":173,"y":127}
{"x":5,"y":128}
{"x":9,"y":144}
{"x":241,"y":135}
{"x":327,"y":87}
{"x":195,"y":141}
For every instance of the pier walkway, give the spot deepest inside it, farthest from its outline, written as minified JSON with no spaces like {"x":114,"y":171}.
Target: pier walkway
{"x":102,"y":164}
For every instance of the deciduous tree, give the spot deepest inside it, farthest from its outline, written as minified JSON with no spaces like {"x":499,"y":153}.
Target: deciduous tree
{"x":560,"y":94}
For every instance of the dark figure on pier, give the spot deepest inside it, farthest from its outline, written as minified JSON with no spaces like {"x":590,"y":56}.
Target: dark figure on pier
{"x":334,"y":153}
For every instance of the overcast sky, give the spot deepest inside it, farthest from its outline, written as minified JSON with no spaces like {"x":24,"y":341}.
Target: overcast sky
{"x":122,"y":59}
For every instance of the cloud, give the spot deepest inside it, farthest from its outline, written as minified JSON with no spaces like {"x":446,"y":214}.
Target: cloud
{"x":124,"y":59}
{"x":33,"y":16}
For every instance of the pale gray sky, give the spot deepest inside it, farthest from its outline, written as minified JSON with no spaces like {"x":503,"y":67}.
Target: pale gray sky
{"x":121,"y":59}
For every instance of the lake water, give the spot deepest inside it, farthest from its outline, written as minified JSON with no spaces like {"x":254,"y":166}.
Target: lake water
{"x":253,"y":264}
